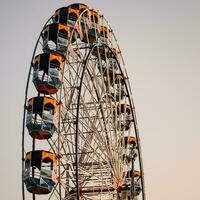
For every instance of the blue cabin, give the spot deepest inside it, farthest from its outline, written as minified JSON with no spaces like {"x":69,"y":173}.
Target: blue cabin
{"x":47,"y":72}
{"x":132,"y":183}
{"x":40,"y":171}
{"x":56,"y":38}
{"x":42,"y":117}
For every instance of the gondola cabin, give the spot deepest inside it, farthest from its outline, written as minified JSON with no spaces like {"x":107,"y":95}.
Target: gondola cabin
{"x":69,"y":15}
{"x":132,"y":177}
{"x":105,"y":34}
{"x":124,"y":117}
{"x":42,"y":117}
{"x":117,"y":88}
{"x":40,"y":171}
{"x":56,"y":38}
{"x":110,"y":56}
{"x":47,"y":72}
{"x":137,"y":182}
{"x":130,"y":145}
{"x":93,"y":23}
{"x":130,"y":141}
{"x":113,"y":60}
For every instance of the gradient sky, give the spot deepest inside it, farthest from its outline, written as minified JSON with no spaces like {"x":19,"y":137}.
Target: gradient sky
{"x":160,"y":41}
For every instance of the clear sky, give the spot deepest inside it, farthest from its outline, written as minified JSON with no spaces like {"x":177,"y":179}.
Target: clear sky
{"x":160,"y":41}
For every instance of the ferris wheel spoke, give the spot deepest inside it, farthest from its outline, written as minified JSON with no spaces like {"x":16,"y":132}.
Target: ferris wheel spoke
{"x":103,"y":95}
{"x":71,"y":142}
{"x":53,"y":193}
{"x":72,"y":85}
{"x":97,"y":110}
{"x":91,"y":148}
{"x":85,"y":126}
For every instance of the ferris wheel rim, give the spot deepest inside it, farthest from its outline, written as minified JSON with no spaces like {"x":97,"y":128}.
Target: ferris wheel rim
{"x":129,"y":97}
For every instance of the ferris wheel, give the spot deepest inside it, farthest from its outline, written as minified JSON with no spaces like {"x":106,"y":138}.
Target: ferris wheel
{"x":80,"y":139}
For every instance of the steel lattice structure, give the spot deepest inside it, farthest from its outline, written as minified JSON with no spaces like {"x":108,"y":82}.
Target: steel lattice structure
{"x":80,"y":137}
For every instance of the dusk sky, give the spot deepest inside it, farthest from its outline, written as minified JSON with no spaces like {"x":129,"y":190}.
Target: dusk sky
{"x":160,"y":42}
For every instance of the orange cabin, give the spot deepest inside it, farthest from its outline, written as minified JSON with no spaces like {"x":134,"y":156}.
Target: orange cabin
{"x":133,"y":177}
{"x":130,"y":141}
{"x":40,"y":173}
{"x":105,"y":34}
{"x":42,"y":117}
{"x":47,"y":72}
{"x":56,"y":38}
{"x":117,"y":88}
{"x":94,"y":21}
{"x":69,"y":15}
